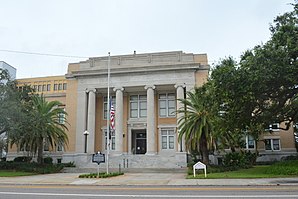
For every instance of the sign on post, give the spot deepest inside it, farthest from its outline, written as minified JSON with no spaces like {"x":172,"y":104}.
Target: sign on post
{"x":199,"y":165}
{"x":98,"y":158}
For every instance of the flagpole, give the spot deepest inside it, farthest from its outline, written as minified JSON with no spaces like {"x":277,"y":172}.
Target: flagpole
{"x":108,"y":116}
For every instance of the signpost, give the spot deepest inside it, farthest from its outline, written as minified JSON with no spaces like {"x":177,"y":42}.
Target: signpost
{"x":199,"y":165}
{"x":98,"y":158}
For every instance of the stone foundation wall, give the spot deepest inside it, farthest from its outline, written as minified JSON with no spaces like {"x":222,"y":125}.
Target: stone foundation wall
{"x":175,"y":161}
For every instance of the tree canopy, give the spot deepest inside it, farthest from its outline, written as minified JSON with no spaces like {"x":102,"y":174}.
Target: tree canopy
{"x":29,"y":120}
{"x":245,"y":97}
{"x":262,"y":88}
{"x":46,"y":126}
{"x":13,"y":103}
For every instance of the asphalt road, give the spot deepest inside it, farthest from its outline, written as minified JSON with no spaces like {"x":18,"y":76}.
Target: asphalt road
{"x":123,"y":192}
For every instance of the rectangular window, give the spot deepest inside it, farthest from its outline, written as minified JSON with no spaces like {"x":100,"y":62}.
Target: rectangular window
{"x":39,"y":88}
{"x":48,"y":87}
{"x":112,"y":140}
{"x":60,"y":87}
{"x":167,"y":139}
{"x":55,"y":87}
{"x":44,"y":87}
{"x":250,"y":142}
{"x":272,"y":144}
{"x":64,"y":86}
{"x":167,"y":105}
{"x":105,"y":104}
{"x":61,"y":118}
{"x":138,"y":106}
{"x":274,"y":127}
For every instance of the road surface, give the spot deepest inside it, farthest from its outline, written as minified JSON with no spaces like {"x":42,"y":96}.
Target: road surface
{"x":143,"y":192}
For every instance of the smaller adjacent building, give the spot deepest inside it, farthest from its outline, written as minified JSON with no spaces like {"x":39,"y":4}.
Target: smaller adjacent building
{"x":12,"y":71}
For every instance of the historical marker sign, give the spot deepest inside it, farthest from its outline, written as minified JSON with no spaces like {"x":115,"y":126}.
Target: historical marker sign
{"x":199,"y":165}
{"x":98,"y":158}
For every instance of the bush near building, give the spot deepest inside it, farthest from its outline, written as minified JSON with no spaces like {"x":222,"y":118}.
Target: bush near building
{"x":24,"y":164}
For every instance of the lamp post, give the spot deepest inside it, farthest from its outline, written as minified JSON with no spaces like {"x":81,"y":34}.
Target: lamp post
{"x":86,"y":133}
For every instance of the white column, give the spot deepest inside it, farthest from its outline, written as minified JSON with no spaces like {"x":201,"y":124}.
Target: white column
{"x":81,"y":121}
{"x":151,"y":145}
{"x":180,"y":95}
{"x":91,"y":121}
{"x":119,"y":120}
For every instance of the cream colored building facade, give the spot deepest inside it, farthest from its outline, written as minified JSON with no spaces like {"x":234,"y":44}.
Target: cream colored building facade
{"x":144,"y":90}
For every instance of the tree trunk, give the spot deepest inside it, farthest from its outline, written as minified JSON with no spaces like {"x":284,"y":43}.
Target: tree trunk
{"x":40,"y":152}
{"x":204,"y":149}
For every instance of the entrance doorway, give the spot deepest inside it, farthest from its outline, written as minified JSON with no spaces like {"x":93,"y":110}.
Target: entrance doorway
{"x":139,"y":141}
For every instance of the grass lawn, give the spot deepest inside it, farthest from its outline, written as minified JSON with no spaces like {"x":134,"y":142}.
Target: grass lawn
{"x":287,"y":168}
{"x":7,"y":173}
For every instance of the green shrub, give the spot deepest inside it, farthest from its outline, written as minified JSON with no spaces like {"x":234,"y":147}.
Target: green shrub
{"x":22,"y":159}
{"x":238,"y":160}
{"x":292,"y":157}
{"x":101,"y":175}
{"x":48,"y":160}
{"x":31,"y":167}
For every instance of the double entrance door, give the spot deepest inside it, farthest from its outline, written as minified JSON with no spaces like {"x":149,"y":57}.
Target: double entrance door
{"x":139,"y":141}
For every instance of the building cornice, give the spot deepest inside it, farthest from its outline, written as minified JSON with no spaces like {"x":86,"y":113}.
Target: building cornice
{"x":136,"y":70}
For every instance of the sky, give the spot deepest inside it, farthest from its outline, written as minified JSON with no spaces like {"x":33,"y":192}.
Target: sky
{"x":79,"y":29}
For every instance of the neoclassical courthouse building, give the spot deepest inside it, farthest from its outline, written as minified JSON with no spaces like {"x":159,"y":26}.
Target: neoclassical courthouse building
{"x":144,"y":89}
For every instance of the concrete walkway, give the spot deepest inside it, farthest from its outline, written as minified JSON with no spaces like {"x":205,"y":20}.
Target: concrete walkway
{"x":156,"y":179}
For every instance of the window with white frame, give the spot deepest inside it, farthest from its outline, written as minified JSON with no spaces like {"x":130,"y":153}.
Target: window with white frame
{"x":250,"y":142}
{"x":274,"y":127}
{"x":138,"y":106}
{"x":167,"y":105}
{"x":112,"y":140}
{"x":61,"y":117}
{"x":60,"y":86}
{"x":167,"y":138}
{"x":272,"y":144}
{"x":105,"y":103}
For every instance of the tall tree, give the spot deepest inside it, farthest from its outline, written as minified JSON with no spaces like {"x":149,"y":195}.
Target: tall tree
{"x":12,"y":103}
{"x":45,"y":127}
{"x":195,"y":123}
{"x":263,"y":87}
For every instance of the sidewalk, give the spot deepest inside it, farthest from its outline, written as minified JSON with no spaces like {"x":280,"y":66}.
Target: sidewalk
{"x":154,"y":179}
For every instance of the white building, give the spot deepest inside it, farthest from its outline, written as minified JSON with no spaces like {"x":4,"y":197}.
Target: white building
{"x":11,"y":70}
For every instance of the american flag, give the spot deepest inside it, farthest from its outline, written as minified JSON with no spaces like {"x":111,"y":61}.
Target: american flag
{"x":112,"y":115}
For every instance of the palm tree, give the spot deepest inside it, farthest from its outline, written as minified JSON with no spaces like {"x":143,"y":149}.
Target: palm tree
{"x":44,"y":127}
{"x":195,"y":123}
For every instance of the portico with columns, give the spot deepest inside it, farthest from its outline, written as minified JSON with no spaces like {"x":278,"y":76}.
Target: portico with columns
{"x":144,"y":90}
